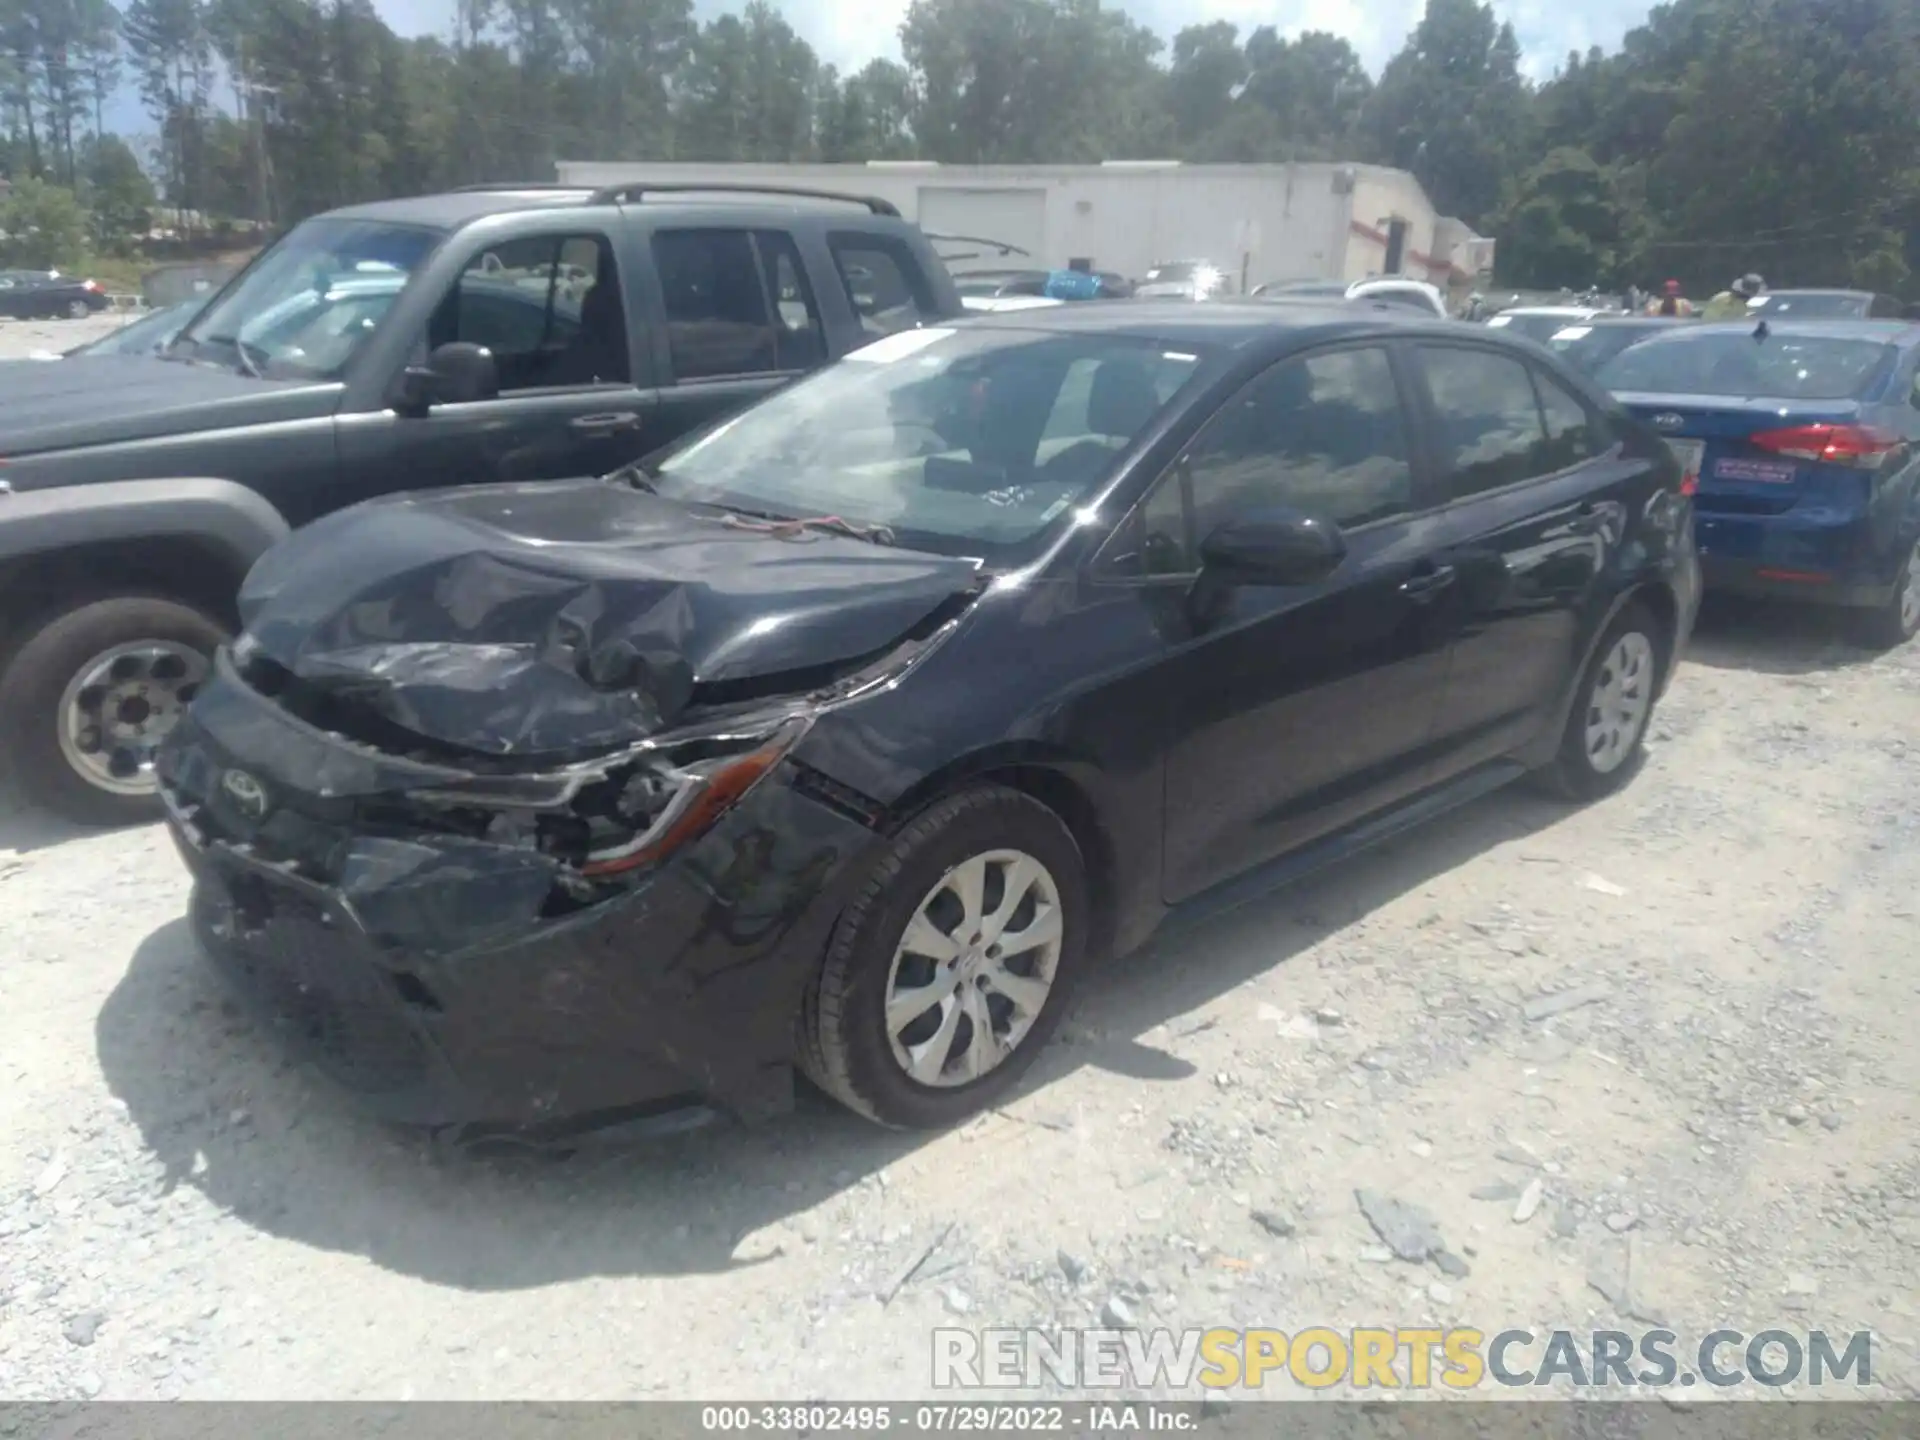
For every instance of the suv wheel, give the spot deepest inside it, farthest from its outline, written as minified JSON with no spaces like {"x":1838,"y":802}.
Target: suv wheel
{"x":949,"y":971}
{"x":1897,"y":621}
{"x":87,"y":699}
{"x":1607,"y":730}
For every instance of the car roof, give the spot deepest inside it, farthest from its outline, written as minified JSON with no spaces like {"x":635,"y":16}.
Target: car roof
{"x":1851,"y":294}
{"x":1902,"y":333}
{"x":1637,"y":322}
{"x":453,"y":209}
{"x":1223,"y":324}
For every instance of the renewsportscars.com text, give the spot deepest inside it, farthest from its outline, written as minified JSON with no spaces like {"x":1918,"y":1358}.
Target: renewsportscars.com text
{"x":1394,"y":1358}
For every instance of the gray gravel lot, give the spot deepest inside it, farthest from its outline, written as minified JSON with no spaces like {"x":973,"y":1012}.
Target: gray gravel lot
{"x":1646,"y":1061}
{"x":19,"y":338}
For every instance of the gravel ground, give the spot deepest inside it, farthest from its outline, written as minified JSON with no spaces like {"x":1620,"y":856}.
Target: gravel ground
{"x":1672,"y":1031}
{"x":20,"y":338}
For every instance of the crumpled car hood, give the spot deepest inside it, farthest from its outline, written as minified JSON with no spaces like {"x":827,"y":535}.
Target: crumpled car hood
{"x":565,"y":617}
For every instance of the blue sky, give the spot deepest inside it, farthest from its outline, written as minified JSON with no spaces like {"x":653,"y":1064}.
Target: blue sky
{"x":848,"y":33}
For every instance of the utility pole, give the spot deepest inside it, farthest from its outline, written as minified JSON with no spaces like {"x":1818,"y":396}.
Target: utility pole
{"x":253,"y":118}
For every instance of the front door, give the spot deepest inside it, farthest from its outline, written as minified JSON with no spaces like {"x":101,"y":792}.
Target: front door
{"x":556,"y":310}
{"x":738,"y":320}
{"x":1538,"y":500}
{"x":1298,"y":709}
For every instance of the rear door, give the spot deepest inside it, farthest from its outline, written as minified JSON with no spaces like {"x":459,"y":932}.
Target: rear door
{"x":1298,"y":710}
{"x":554,"y":307}
{"x":736,"y":317}
{"x":1539,"y":495}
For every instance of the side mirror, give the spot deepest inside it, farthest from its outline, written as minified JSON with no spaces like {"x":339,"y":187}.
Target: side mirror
{"x":1273,"y":547}
{"x":457,"y":373}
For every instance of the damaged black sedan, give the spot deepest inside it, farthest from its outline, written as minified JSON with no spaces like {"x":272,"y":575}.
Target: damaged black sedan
{"x":847,"y":735}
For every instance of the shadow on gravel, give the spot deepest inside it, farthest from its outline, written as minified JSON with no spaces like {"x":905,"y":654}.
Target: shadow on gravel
{"x":226,"y":1112}
{"x":24,"y":828}
{"x":1772,"y":638}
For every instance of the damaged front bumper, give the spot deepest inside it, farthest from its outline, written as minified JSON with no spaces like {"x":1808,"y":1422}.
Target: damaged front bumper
{"x":450,"y":972}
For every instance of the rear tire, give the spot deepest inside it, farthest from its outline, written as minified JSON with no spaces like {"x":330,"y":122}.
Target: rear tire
{"x":847,"y":1044}
{"x":78,"y":310}
{"x":34,"y":699}
{"x":1897,"y":620}
{"x":1606,"y":732}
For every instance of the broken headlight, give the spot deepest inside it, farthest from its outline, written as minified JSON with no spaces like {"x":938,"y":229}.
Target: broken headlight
{"x":671,"y":799}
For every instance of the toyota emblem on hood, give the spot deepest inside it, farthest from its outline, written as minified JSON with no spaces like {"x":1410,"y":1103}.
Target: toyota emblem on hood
{"x":249,"y":796}
{"x":1668,"y":421}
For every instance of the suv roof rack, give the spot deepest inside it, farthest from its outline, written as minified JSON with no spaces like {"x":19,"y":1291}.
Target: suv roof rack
{"x":509,"y":186}
{"x":640,"y":189}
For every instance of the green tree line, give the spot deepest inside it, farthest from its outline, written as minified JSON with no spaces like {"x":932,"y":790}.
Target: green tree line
{"x":1723,"y":136}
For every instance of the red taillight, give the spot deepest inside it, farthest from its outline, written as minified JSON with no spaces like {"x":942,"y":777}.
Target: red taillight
{"x":1860,"y":445}
{"x":93,"y":285}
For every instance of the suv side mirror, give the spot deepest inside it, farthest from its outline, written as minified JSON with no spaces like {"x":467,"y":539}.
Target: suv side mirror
{"x":1277,"y":546}
{"x":457,"y":373}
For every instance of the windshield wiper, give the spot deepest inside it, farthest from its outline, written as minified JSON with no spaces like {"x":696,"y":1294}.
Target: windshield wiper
{"x":783,"y":527}
{"x":241,"y":349}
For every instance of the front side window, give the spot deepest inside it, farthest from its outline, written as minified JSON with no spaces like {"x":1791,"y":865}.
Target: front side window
{"x":1487,"y":421}
{"x":962,"y":442}
{"x":549,"y":308}
{"x":1324,"y":434}
{"x":1574,"y":435}
{"x":884,"y":283}
{"x":266,"y":321}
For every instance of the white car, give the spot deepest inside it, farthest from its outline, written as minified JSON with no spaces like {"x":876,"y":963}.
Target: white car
{"x":1406,"y":294}
{"x":994,"y":304}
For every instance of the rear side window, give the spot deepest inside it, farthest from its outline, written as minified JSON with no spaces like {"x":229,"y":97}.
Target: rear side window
{"x":1734,"y":363}
{"x":1487,"y":422}
{"x":1321,"y":434}
{"x":718,"y":320}
{"x":884,"y":283}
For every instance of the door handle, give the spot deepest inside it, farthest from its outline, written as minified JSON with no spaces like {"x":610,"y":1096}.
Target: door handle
{"x":1428,"y":583}
{"x":608,"y":424}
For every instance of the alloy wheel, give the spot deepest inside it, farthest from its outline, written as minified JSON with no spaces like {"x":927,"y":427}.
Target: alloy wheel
{"x":1619,"y":703}
{"x":120,"y":705}
{"x":974,"y":968}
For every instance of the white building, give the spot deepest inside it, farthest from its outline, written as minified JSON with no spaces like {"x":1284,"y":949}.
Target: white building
{"x":1260,"y":223}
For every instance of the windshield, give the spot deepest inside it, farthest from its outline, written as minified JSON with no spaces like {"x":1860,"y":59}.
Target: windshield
{"x":1810,"y":307}
{"x":961,"y":442}
{"x":1734,"y":363}
{"x":310,"y":302}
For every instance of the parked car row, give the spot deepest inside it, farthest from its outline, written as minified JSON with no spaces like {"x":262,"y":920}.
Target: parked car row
{"x":746,"y":662}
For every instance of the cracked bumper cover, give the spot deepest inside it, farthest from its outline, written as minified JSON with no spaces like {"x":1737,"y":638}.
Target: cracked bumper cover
{"x":417,"y":970}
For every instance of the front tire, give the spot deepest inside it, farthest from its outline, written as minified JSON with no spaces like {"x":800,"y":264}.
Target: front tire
{"x":86,"y":700}
{"x":1898,"y":620}
{"x":950,"y":969}
{"x":1606,"y":730}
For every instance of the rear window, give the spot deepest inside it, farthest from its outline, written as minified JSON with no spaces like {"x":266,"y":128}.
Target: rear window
{"x":1811,"y":307}
{"x":1733,"y":363}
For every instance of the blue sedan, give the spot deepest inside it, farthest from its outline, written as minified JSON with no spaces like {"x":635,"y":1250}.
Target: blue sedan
{"x":1802,"y":444}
